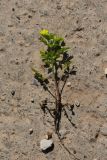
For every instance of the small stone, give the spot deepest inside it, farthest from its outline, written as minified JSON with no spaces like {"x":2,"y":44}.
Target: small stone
{"x":77,"y":103}
{"x":29,"y":16}
{"x":2,"y":49}
{"x":105,"y":71}
{"x":18,"y":18}
{"x":97,"y":54}
{"x":13,"y":132}
{"x":46,"y":136}
{"x":13,"y":92}
{"x":62,"y":134}
{"x":30,"y":131}
{"x":46,"y":144}
{"x":27,"y":45}
{"x":68,"y":84}
{"x":10,"y":25}
{"x":74,"y":152}
{"x":104,"y":130}
{"x":58,"y":7}
{"x":32,"y":100}
{"x":49,"y":134}
{"x":2,"y":98}
{"x":43,"y":13}
{"x":13,"y":9}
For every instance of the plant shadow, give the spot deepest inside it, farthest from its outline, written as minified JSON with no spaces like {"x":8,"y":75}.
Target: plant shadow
{"x":68,"y":111}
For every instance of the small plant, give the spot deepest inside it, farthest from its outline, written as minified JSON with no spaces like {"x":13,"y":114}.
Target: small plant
{"x":56,"y":61}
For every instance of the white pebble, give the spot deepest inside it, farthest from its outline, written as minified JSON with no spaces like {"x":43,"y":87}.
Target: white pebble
{"x":30,"y":131}
{"x":68,"y":84}
{"x":45,"y":144}
{"x":106,"y":71}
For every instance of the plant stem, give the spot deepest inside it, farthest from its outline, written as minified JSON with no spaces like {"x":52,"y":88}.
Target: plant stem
{"x":63,"y":85}
{"x":51,"y":93}
{"x":58,"y":101}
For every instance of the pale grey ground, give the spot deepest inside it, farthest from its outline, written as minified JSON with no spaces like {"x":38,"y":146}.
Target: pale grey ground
{"x":83,"y":23}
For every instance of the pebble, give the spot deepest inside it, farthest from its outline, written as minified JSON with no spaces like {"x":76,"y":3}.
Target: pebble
{"x":68,"y":84}
{"x":77,"y":103}
{"x":29,"y":16}
{"x":58,"y":7}
{"x":43,"y":13}
{"x":46,"y":136}
{"x":13,"y":92}
{"x":2,"y":98}
{"x":105,"y":71}
{"x":46,"y":144}
{"x":49,"y":135}
{"x":32,"y":100}
{"x":2,"y":49}
{"x":62,"y":134}
{"x":104,"y":130}
{"x":30,"y":131}
{"x":13,"y":9}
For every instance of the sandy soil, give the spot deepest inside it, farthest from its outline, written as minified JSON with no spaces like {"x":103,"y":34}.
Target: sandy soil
{"x":83,"y":24}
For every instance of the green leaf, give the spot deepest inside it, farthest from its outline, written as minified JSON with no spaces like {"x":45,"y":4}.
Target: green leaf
{"x":39,"y":77}
{"x":44,"y":40}
{"x":63,"y":50}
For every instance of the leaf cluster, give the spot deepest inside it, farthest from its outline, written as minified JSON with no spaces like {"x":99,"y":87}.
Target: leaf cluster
{"x":56,"y":54}
{"x":56,"y":58}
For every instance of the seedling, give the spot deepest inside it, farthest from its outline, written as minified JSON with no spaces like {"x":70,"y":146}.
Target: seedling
{"x":56,"y":61}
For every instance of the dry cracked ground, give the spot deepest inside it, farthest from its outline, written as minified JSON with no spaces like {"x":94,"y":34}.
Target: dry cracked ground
{"x":83,"y":24}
